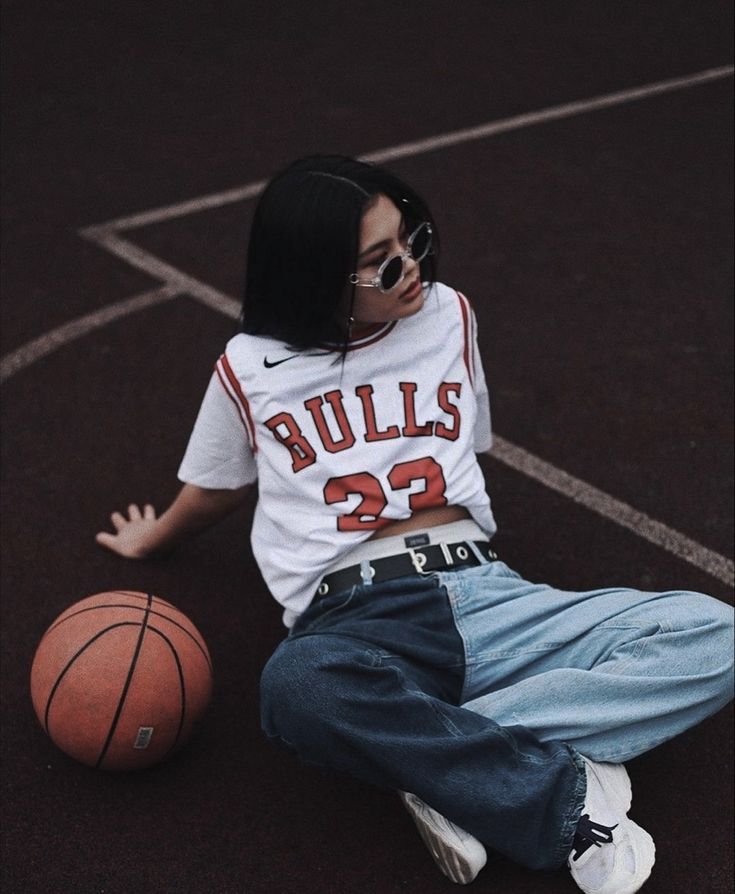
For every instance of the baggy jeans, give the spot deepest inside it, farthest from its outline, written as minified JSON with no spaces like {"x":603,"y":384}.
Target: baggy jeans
{"x":478,"y":691}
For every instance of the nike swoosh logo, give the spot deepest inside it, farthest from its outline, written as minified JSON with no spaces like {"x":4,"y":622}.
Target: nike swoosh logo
{"x":269,"y":364}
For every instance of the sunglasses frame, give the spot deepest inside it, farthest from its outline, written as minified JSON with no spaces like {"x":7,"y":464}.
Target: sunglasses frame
{"x":376,"y":281}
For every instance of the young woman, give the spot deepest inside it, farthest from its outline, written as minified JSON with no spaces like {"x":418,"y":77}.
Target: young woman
{"x":501,"y":710}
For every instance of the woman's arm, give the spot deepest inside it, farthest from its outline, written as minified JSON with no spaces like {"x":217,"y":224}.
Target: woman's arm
{"x":193,"y":510}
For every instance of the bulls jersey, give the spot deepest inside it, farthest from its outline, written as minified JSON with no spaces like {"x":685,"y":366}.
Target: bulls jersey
{"x":342,"y":448}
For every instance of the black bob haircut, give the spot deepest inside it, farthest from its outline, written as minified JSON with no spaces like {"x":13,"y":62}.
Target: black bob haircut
{"x":304,"y":245}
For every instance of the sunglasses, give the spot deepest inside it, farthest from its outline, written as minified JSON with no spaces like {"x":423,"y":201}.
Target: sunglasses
{"x":393,"y":269}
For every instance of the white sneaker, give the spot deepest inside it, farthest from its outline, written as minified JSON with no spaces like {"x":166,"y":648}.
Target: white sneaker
{"x":612,"y":780}
{"x":459,"y":855}
{"x":611,"y":853}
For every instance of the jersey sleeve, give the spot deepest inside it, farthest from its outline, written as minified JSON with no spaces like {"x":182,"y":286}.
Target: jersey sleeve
{"x":220,"y":453}
{"x":483,"y":425}
{"x":483,"y":437}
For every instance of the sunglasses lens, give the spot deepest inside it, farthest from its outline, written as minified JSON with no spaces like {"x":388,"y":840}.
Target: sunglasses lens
{"x":421,"y":242}
{"x":392,"y":273}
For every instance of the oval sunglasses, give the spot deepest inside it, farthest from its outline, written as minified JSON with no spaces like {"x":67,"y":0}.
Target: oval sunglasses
{"x":393,"y":269}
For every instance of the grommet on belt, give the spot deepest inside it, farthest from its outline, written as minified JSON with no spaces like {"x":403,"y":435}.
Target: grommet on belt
{"x":447,"y":553}
{"x":418,"y":559}
{"x":367,"y":572}
{"x":322,"y":589}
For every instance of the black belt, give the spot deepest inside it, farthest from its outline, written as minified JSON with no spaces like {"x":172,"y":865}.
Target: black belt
{"x":413,"y":561}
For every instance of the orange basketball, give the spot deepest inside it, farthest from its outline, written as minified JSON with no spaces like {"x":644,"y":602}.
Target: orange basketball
{"x":119,"y":680}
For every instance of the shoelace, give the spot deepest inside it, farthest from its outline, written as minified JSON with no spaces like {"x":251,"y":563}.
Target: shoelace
{"x":589,"y":833}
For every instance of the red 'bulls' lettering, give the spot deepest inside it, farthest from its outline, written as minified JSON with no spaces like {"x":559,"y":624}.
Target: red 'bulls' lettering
{"x":286,"y":429}
{"x":365,"y":393}
{"x":411,"y":430}
{"x":314,"y":406}
{"x":302,"y":453}
{"x":445,"y":389}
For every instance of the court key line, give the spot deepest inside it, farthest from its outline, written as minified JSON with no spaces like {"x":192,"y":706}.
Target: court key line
{"x":178,"y":283}
{"x":417,"y":147}
{"x":107,"y":235}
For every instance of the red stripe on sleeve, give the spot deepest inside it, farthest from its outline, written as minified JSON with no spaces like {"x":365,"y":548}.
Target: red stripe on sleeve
{"x":239,"y":399}
{"x":223,"y":382}
{"x":464,"y":305}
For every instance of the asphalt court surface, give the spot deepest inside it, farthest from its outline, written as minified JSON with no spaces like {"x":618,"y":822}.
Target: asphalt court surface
{"x":596,"y":249}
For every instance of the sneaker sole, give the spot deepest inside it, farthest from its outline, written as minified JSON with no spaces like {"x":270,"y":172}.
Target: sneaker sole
{"x":459,"y":855}
{"x":645,"y":856}
{"x":644,"y":851}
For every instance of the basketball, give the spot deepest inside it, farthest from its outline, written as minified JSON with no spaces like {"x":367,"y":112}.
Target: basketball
{"x":120,"y":679}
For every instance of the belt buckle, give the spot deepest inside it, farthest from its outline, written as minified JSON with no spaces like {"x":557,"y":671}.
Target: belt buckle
{"x":419,"y":561}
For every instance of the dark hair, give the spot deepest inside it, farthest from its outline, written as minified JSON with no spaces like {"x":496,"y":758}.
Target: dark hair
{"x":304,"y":245}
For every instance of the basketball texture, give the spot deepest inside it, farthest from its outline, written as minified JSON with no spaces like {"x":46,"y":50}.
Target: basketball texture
{"x":119,"y":680}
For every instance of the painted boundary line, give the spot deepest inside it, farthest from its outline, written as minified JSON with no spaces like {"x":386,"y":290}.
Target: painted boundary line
{"x":417,"y":147}
{"x":107,"y":235}
{"x":148,"y":263}
{"x":34,"y":350}
{"x":177,"y":283}
{"x":621,"y":513}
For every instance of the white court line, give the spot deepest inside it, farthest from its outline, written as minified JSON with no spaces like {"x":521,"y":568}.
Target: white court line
{"x":603,"y":504}
{"x":33,"y":351}
{"x":441,"y":141}
{"x":143,"y":260}
{"x":107,"y":236}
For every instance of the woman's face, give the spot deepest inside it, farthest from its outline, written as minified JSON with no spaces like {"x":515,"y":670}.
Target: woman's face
{"x":383,"y":234}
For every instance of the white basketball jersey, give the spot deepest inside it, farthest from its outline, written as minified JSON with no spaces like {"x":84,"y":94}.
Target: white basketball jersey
{"x":340,"y":449}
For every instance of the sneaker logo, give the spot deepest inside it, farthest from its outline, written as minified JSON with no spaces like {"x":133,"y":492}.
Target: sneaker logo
{"x":590,"y":833}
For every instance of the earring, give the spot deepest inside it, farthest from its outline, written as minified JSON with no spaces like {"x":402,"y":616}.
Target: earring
{"x":350,"y":324}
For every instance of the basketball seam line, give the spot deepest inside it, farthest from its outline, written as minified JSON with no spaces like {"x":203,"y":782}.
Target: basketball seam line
{"x":134,"y":608}
{"x":183,"y":688}
{"x":128,"y":681}
{"x":71,"y":661}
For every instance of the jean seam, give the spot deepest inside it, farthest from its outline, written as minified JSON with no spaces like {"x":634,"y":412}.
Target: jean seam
{"x":576,"y":805}
{"x":514,"y":653}
{"x":638,"y":650}
{"x":455,"y":596}
{"x":452,"y":728}
{"x":437,"y":665}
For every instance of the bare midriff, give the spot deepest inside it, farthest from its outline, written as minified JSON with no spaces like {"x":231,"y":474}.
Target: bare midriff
{"x":426,"y":518}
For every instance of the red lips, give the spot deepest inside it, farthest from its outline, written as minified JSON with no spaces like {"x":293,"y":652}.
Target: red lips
{"x":411,"y":292}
